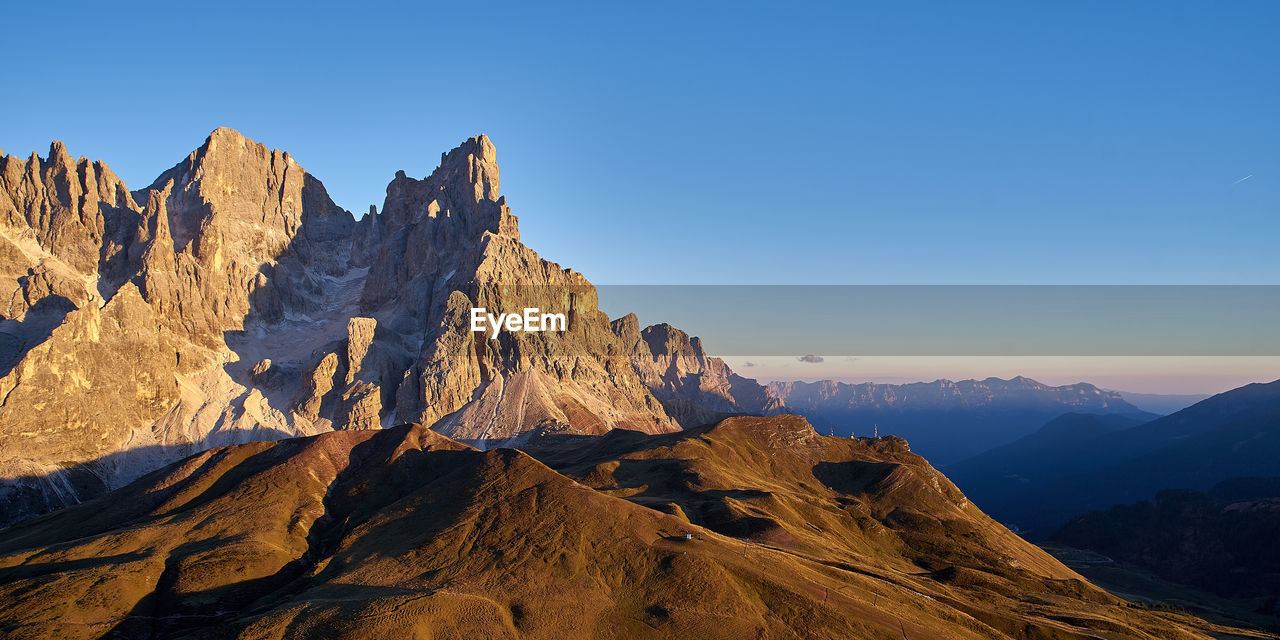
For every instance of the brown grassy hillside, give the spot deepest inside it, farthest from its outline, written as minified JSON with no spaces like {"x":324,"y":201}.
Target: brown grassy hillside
{"x":405,"y":533}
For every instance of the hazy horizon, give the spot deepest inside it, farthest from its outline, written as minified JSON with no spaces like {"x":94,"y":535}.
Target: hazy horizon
{"x":1178,"y":375}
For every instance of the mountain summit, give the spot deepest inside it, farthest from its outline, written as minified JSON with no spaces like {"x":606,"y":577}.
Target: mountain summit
{"x":232,"y":301}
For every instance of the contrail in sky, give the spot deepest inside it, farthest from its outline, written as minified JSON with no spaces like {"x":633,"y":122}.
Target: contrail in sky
{"x":1243,"y":179}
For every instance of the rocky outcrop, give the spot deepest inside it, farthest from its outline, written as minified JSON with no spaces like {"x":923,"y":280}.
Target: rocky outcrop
{"x":448,"y":243}
{"x":232,"y":300}
{"x":62,"y":208}
{"x":239,"y":233}
{"x":117,"y":334}
{"x":694,"y":388}
{"x":64,"y":224}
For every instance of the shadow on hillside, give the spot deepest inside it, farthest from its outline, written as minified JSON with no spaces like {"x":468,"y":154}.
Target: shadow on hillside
{"x":853,"y":477}
{"x":564,"y":451}
{"x":377,"y":475}
{"x":26,"y":496}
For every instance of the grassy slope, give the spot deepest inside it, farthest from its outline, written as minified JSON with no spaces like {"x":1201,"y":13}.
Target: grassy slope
{"x":406,"y":533}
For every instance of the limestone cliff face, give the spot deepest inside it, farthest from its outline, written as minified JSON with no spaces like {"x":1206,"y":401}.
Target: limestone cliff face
{"x":447,"y":243}
{"x":60,"y":208}
{"x":71,"y":337}
{"x":695,"y":389}
{"x":63,"y":224}
{"x":238,"y":232}
{"x":114,"y":339}
{"x":232,"y":301}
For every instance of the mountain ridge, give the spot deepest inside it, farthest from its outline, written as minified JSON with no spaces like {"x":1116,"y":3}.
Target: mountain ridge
{"x":233,"y":301}
{"x":1227,"y":435}
{"x":946,"y":420}
{"x":374,"y":532}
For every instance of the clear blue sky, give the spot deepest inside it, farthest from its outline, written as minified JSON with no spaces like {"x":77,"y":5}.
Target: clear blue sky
{"x":942,"y":142}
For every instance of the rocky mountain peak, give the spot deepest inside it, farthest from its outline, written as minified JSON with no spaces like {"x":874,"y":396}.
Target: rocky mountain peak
{"x":253,"y":194}
{"x":59,"y":155}
{"x":226,"y":135}
{"x":252,"y":307}
{"x":59,"y":216}
{"x":666,"y":341}
{"x":628,"y":329}
{"x":119,"y":314}
{"x":694,"y":388}
{"x":475,"y":162}
{"x":441,"y":224}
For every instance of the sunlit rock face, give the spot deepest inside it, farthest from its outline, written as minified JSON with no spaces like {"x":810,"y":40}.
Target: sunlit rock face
{"x":233,"y":301}
{"x":695,"y":388}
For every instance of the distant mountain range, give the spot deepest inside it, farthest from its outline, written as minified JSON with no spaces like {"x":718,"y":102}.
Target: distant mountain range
{"x":1081,"y":463}
{"x":946,"y":421}
{"x":1063,"y":446}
